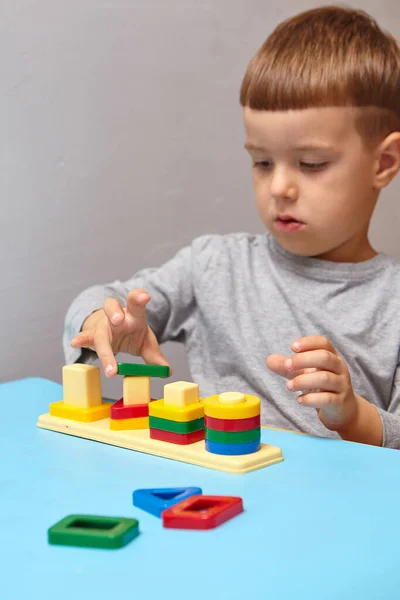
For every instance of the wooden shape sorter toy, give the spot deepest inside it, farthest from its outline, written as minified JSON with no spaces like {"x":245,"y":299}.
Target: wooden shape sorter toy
{"x":178,"y":419}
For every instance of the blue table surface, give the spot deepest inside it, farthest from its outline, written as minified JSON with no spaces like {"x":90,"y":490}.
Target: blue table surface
{"x":323,"y":524}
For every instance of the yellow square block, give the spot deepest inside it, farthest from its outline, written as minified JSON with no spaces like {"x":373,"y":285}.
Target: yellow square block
{"x":85,"y":415}
{"x":81,"y":384}
{"x":136,"y":390}
{"x":176,"y":413}
{"x":181,"y":393}
{"x":136,"y":423}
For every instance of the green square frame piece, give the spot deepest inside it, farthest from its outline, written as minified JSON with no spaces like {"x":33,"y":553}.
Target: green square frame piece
{"x":176,"y":426}
{"x":93,"y":531}
{"x":139,"y":370}
{"x":232,"y":437}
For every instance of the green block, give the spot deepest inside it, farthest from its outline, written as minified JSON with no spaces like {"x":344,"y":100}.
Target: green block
{"x":232,"y":437}
{"x":93,"y":531}
{"x":175,"y":426}
{"x":138,"y":370}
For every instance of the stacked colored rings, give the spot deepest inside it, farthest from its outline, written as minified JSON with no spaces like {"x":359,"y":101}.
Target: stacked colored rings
{"x":232,"y":423}
{"x":179,"y":417}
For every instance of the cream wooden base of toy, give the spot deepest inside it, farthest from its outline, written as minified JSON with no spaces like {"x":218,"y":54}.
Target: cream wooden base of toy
{"x":139,"y":440}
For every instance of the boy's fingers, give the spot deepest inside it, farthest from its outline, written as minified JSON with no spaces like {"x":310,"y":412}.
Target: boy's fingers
{"x":312,"y":342}
{"x":114,"y":311}
{"x":152,"y":356}
{"x":136,"y":303}
{"x":151,"y":352}
{"x":318,"y":400}
{"x":105,"y":352}
{"x":276,"y":363}
{"x":322,"y":380}
{"x":83,"y":339}
{"x":317,"y":359}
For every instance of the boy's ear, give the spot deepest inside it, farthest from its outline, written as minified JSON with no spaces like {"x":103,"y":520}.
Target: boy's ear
{"x":388,"y":160}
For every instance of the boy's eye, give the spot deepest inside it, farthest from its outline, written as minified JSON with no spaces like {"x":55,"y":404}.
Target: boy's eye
{"x":313,"y":166}
{"x":264,"y":163}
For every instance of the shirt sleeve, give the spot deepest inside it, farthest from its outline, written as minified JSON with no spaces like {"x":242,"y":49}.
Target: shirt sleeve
{"x":391,"y":416}
{"x":169,"y":312}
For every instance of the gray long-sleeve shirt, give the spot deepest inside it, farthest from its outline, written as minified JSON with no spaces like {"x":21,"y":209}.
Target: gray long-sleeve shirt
{"x":232,"y":300}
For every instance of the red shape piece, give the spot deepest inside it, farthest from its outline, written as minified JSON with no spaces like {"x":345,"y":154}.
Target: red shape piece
{"x":177,"y":438}
{"x":232,"y":424}
{"x":119,"y":411}
{"x":202,"y":512}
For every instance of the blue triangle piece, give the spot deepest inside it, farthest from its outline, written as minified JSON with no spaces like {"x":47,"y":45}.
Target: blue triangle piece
{"x":156,"y":500}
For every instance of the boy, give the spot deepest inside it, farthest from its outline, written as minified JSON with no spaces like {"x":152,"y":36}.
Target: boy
{"x":321,"y":103}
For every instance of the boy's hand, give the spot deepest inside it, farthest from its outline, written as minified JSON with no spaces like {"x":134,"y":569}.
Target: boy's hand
{"x":323,"y":377}
{"x":114,"y":329}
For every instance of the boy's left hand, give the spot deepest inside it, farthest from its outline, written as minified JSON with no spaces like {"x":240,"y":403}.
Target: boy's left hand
{"x":322,"y":375}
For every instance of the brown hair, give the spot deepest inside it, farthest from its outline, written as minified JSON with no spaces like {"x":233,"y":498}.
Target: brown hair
{"x":329,"y":56}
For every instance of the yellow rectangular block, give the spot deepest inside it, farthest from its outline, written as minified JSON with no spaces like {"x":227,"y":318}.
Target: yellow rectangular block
{"x":136,"y":390}
{"x":81,"y":385}
{"x":84,"y":415}
{"x":181,"y":393}
{"x":176,"y":413}
{"x":125,"y":424}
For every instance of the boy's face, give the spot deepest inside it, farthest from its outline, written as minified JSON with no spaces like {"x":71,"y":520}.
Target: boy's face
{"x":311,"y":166}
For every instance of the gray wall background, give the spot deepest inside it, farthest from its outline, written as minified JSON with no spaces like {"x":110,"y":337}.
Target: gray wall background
{"x":121,"y":139}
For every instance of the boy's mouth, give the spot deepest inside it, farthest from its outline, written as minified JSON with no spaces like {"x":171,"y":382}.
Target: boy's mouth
{"x":287,"y":223}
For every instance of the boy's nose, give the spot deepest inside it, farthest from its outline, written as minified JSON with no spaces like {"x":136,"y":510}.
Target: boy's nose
{"x":283,"y":185}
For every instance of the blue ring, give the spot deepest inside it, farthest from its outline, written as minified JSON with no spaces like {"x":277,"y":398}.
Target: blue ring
{"x":232,"y":449}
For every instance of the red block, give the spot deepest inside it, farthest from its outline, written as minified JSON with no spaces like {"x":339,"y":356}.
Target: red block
{"x":177,"y":438}
{"x":119,"y":411}
{"x":232,"y":424}
{"x":202,"y":512}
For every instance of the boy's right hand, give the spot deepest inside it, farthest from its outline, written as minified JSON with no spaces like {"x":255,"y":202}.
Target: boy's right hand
{"x":114,"y":329}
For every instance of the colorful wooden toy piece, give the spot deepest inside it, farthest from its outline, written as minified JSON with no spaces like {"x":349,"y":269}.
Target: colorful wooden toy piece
{"x":202,"y":512}
{"x":232,"y":424}
{"x":179,"y":417}
{"x":233,"y":437}
{"x":124,"y":433}
{"x":181,"y":393}
{"x":240,"y":438}
{"x":119,"y":411}
{"x":176,"y":426}
{"x":136,"y":390}
{"x":84,"y":415}
{"x":218,"y":406}
{"x":139,"y":370}
{"x":140,"y":441}
{"x":129,"y":424}
{"x":93,"y":531}
{"x":232,"y":449}
{"x":156,"y":500}
{"x":177,"y":438}
{"x":81,"y":385}
{"x":82,"y":395}
{"x":182,"y":414}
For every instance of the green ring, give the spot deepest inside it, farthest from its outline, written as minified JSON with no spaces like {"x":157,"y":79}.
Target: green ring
{"x":233,"y":437}
{"x":176,"y":426}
